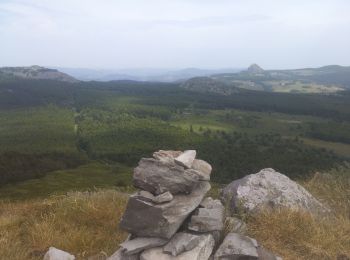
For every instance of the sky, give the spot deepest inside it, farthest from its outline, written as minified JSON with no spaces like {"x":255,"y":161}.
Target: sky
{"x":210,"y":34}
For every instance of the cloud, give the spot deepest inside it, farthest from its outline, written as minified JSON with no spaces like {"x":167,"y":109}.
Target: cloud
{"x":174,"y":33}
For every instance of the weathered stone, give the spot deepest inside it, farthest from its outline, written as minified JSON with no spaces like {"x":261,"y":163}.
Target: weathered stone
{"x":158,"y":177}
{"x":210,"y":203}
{"x":119,"y":255}
{"x":166,"y":156}
{"x":147,"y":219}
{"x":208,"y":219}
{"x":147,"y":196}
{"x":236,"y":246}
{"x":181,"y":242}
{"x":202,"y":166}
{"x":57,"y":254}
{"x":269,"y":189}
{"x":186,"y":158}
{"x":200,"y":175}
{"x":235,"y":225}
{"x":201,"y":252}
{"x":139,"y":244}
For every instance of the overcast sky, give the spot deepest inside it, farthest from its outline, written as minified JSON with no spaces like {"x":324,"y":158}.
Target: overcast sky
{"x":174,"y":33}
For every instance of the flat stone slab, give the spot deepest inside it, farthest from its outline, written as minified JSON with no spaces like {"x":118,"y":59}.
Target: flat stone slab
{"x":146,"y":219}
{"x":166,"y":156}
{"x":159,"y":177}
{"x":147,"y":196}
{"x":134,"y":246}
{"x":201,"y":252}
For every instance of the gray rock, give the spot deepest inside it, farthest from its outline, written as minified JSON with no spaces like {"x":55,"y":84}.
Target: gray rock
{"x":201,"y":252}
{"x":147,"y":196}
{"x":158,"y":177}
{"x":134,"y":246}
{"x":166,"y":156}
{"x":202,"y":166}
{"x":119,"y":255}
{"x":146,"y":219}
{"x":235,"y":225}
{"x":181,"y":242}
{"x":57,"y":254}
{"x":269,"y":189}
{"x":210,"y":218}
{"x":186,"y":158}
{"x":236,"y":246}
{"x":239,"y":247}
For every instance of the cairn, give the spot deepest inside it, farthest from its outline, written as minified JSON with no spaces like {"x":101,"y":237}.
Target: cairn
{"x":170,"y":218}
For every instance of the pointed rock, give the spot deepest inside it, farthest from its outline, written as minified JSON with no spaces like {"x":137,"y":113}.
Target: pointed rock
{"x":186,"y":158}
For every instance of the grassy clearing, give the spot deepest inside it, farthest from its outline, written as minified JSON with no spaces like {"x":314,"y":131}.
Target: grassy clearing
{"x":339,"y":148}
{"x":83,"y":224}
{"x":86,"y":177}
{"x":297,"y":235}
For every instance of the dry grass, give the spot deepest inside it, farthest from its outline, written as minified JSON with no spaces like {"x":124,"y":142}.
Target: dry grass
{"x":83,"y":224}
{"x":298,"y":235}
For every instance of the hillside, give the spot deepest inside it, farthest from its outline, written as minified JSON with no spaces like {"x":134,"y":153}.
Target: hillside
{"x":34,"y":72}
{"x":328,"y":79}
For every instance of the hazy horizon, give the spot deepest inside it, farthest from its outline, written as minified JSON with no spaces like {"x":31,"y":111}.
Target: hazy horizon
{"x":178,"y":34}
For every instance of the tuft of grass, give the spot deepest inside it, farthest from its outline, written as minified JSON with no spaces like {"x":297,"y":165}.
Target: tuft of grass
{"x":299,"y":235}
{"x":82,"y":223}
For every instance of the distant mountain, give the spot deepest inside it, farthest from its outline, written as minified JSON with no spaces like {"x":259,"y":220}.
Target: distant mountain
{"x":160,"y":75}
{"x":34,"y":72}
{"x":255,"y":69}
{"x":206,"y":84}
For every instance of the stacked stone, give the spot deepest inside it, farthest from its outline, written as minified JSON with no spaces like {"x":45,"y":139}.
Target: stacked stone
{"x":169,"y":217}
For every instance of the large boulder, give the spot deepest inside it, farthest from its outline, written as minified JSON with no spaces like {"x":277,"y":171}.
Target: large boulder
{"x":239,"y":247}
{"x":201,"y":252}
{"x":143,"y":218}
{"x":269,"y":189}
{"x":57,"y":254}
{"x":159,"y":177}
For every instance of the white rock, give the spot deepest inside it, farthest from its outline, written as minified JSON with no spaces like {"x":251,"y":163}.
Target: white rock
{"x":166,"y":156}
{"x":201,"y":252}
{"x":269,"y":189}
{"x":186,"y":158}
{"x":57,"y":254}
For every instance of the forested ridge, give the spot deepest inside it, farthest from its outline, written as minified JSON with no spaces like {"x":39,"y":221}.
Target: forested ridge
{"x":49,"y":125}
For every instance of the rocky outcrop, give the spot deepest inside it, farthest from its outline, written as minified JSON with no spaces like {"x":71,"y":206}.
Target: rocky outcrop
{"x":37,"y":72}
{"x":57,"y":254}
{"x":269,"y":189}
